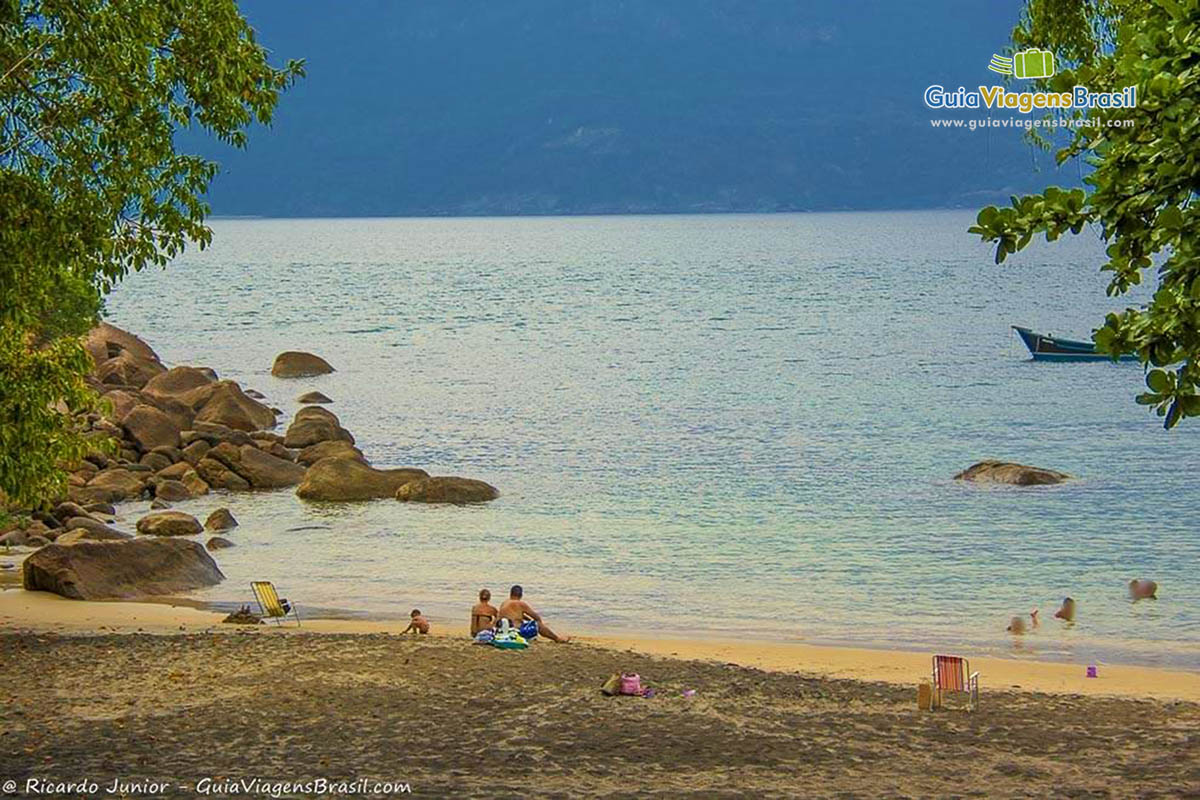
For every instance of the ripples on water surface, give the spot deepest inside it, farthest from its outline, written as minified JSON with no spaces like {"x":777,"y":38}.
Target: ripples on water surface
{"x":688,"y":414}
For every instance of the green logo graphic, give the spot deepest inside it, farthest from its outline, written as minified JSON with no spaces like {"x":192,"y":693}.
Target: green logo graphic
{"x":1026,"y":65}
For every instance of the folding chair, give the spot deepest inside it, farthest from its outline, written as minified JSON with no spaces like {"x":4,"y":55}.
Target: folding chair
{"x":952,"y":674}
{"x":271,"y":604}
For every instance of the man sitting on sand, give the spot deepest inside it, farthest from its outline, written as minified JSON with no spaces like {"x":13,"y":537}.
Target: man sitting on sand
{"x":483,"y":614}
{"x":419,"y":624}
{"x":517,"y":611}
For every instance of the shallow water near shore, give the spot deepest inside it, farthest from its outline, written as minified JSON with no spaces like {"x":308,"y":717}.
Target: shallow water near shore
{"x":707,"y":424}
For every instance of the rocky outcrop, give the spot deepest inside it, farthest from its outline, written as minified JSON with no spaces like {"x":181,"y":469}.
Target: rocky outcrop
{"x":148,"y":428}
{"x":109,"y":570}
{"x":113,"y":485}
{"x":313,"y":397}
{"x":107,"y":341}
{"x":1012,"y":474}
{"x":313,"y":425}
{"x":219,"y":476}
{"x":333,"y":448}
{"x":128,"y":370}
{"x":224,"y":403}
{"x":178,"y":381}
{"x":447,"y":489}
{"x":220,"y":520}
{"x":261,"y":470}
{"x":88,"y":535}
{"x":294,"y":364}
{"x":348,"y":479}
{"x":169,"y":523}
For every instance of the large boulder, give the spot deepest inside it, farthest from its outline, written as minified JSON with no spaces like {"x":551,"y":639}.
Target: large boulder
{"x":87,"y":535}
{"x":1012,"y":474}
{"x":228,"y":405}
{"x":115,"y":484}
{"x":121,"y":402}
{"x":293,"y":364}
{"x":93,"y":526}
{"x":127,"y":369}
{"x":447,"y":489}
{"x":178,"y":381}
{"x":220,"y":519}
{"x":106,"y":341}
{"x":149,"y":428}
{"x":312,"y":425}
{"x":127,"y":569}
{"x":262,"y":470}
{"x":169,"y":523}
{"x":346,"y":479}
{"x":332,"y":448}
{"x":171,"y":491}
{"x":219,"y":476}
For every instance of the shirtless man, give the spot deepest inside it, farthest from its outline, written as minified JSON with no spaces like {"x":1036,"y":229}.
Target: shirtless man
{"x":1142,"y":589}
{"x":483,"y":614}
{"x":516,"y":611}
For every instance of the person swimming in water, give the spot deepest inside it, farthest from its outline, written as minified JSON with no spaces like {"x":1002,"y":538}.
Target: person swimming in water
{"x":1016,"y":625}
{"x":1142,"y":589}
{"x":1066,"y":611}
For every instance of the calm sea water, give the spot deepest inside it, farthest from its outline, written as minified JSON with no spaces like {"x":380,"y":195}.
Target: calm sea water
{"x":732,"y":425}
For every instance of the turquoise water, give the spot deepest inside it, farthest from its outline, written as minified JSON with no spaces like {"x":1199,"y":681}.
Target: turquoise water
{"x":702,"y":424}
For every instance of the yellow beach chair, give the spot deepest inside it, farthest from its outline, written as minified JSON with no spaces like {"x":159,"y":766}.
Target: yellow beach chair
{"x":271,"y":604}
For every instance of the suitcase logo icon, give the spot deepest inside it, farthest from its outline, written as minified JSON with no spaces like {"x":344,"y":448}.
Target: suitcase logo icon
{"x":1026,"y":65}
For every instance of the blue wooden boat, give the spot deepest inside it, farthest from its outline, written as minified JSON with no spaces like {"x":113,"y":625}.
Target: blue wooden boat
{"x":1054,"y":348}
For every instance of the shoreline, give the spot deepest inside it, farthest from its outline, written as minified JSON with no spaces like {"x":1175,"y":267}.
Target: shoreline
{"x":42,"y":612}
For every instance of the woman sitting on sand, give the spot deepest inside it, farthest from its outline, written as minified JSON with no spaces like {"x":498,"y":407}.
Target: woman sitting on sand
{"x":483,"y":613}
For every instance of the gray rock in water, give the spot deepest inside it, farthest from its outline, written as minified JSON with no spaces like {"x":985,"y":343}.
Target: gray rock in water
{"x":348,"y":479}
{"x":120,"y":569}
{"x":1007,"y":472}
{"x":295,"y":364}
{"x":169,"y":523}
{"x":447,"y":489}
{"x":218,"y":543}
{"x":313,"y":397}
{"x":220,"y":520}
{"x":158,"y":504}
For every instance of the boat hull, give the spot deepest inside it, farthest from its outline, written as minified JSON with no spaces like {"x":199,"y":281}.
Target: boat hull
{"x":1053,"y":348}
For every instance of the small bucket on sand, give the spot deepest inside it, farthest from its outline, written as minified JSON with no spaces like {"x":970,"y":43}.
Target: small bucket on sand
{"x":1091,"y":671}
{"x":925,"y":696}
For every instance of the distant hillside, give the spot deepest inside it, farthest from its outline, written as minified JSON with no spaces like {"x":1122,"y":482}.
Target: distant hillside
{"x":602,"y":106}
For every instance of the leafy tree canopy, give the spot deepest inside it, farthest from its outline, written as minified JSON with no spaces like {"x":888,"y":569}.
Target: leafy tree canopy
{"x":92,"y":93}
{"x":1146,"y":173}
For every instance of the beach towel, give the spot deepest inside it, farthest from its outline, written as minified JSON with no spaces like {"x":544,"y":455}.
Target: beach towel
{"x":485,"y":636}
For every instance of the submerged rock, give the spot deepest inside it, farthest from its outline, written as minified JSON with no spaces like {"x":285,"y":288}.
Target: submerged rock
{"x":220,"y":520}
{"x":294,"y":364}
{"x":218,"y":543}
{"x":313,"y":397}
{"x":120,"y":569}
{"x":447,"y":489}
{"x":169,"y":523}
{"x":348,"y":479}
{"x":1012,"y":474}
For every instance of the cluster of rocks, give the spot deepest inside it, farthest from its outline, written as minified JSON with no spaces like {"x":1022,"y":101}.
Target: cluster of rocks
{"x":172,"y":434}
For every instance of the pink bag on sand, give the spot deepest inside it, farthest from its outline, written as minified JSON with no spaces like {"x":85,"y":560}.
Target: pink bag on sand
{"x":631,"y":683}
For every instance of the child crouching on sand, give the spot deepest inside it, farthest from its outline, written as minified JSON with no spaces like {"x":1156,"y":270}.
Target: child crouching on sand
{"x":419,"y":624}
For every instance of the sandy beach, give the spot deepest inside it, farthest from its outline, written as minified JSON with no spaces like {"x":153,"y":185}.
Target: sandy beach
{"x":179,"y":698}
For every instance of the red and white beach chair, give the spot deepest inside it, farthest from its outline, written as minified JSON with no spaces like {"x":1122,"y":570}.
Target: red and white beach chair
{"x":952,"y":674}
